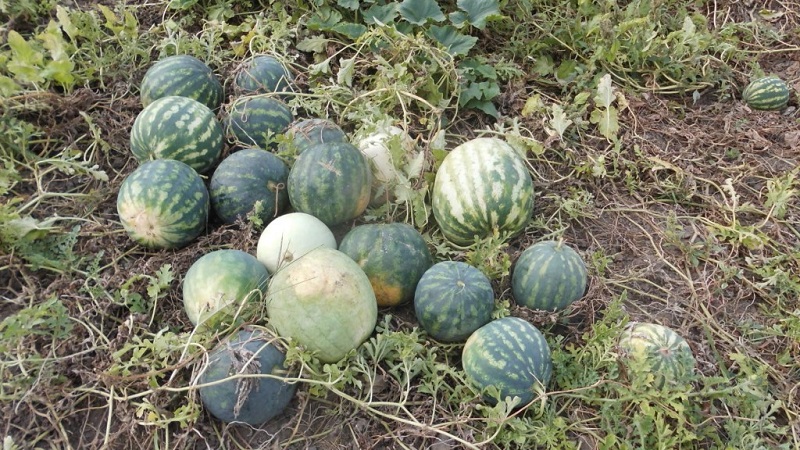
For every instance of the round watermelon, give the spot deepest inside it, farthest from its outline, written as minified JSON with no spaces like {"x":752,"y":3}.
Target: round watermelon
{"x":253,"y":121}
{"x":163,"y":204}
{"x":220,"y":283}
{"x":177,"y":128}
{"x":244,"y":379}
{"x":324,"y":302}
{"x":247,"y":178}
{"x":652,"y":350}
{"x":768,"y":93}
{"x":548,"y":275}
{"x":291,"y":236}
{"x":482,"y":187}
{"x":184,"y":76}
{"x":263,"y":74}
{"x":452,"y":300}
{"x":393,"y":255}
{"x":510,"y":355}
{"x":330,"y":181}
{"x":389,"y":149}
{"x":309,"y":132}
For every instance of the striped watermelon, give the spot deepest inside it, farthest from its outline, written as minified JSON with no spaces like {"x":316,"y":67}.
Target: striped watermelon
{"x":291,"y":236}
{"x":393,"y":255}
{"x":163,"y":204}
{"x":218,"y":284}
{"x":330,"y":181}
{"x":482,"y":187}
{"x":254,"y":120}
{"x":253,"y":400}
{"x":510,"y":355}
{"x":767,"y":93}
{"x":309,"y":132}
{"x":246,"y":178}
{"x":324,"y":302}
{"x":263,"y":74}
{"x":184,"y":76}
{"x":177,"y":128}
{"x":549,"y":275}
{"x":650,"y":349}
{"x":452,"y":300}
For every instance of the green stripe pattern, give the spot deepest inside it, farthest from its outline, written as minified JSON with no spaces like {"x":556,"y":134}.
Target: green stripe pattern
{"x":309,"y":132}
{"x":549,"y":275}
{"x":393,"y":255}
{"x":452,"y":300}
{"x":331,"y":182}
{"x":263,"y":74}
{"x":652,"y":349}
{"x":246,"y":178}
{"x":511,"y":355}
{"x":184,"y":76}
{"x":767,"y":93}
{"x":163,"y":204}
{"x":482,"y":187}
{"x":253,"y":121}
{"x":177,"y":128}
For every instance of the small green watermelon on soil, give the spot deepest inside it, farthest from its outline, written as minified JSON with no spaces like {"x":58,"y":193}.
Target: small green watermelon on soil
{"x":254,"y":121}
{"x":263,"y":74}
{"x":184,"y":76}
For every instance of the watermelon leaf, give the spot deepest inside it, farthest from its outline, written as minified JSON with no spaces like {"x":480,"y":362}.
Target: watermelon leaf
{"x":380,"y":14}
{"x":605,"y":115}
{"x":477,"y":12}
{"x":419,"y":12}
{"x":455,"y":42}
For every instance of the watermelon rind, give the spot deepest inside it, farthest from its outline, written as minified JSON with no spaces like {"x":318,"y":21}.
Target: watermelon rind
{"x":163,"y":204}
{"x":181,"y":75}
{"x":768,"y":93}
{"x":262,"y":74}
{"x":291,"y":236}
{"x":654,"y":350}
{"x":254,"y":121}
{"x":549,"y":275}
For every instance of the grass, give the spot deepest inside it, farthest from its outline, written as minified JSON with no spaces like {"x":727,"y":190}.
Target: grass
{"x":683,"y":203}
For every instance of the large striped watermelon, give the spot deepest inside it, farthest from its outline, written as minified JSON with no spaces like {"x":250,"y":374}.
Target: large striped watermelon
{"x":510,"y":355}
{"x":648,"y":349}
{"x":230,"y":386}
{"x":307,"y":133}
{"x":263,"y":74}
{"x":163,"y":204}
{"x":177,"y":128}
{"x":221,"y":282}
{"x":482,"y":187}
{"x":291,"y":236}
{"x":452,"y":300}
{"x":246,"y":178}
{"x":549,"y":275}
{"x":253,"y":121}
{"x":330,"y":181}
{"x":393,"y":255}
{"x":181,"y":75}
{"x":766,"y":93}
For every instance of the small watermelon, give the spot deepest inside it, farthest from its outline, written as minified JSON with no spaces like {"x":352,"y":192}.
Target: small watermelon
{"x":263,"y":74}
{"x":452,"y":300}
{"x":393,"y":158}
{"x":309,"y":132}
{"x":291,"y":236}
{"x":253,"y":121}
{"x":247,"y":178}
{"x":393,"y":255}
{"x":649,"y":349}
{"x":184,"y":76}
{"x":177,"y":128}
{"x":548,"y":275}
{"x":163,"y":204}
{"x":767,"y":93}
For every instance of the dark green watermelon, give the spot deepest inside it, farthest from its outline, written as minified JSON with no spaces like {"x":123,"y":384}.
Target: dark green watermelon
{"x":184,"y":76}
{"x":263,"y":74}
{"x":309,"y":132}
{"x":253,"y":121}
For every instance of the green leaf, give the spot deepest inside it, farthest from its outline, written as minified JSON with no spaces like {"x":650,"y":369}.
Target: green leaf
{"x":559,"y":121}
{"x":346,"y":70}
{"x":420,"y":12}
{"x":605,"y":92}
{"x":349,"y":29}
{"x":348,"y":4}
{"x":26,"y":62}
{"x":324,"y":19}
{"x":607,"y":121}
{"x":478,"y":12}
{"x":456,"y":43}
{"x":313,"y":44}
{"x":380,"y":14}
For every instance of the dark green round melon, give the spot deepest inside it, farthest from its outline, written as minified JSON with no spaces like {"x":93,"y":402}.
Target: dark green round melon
{"x":653,"y":350}
{"x":253,"y":121}
{"x":244,"y":379}
{"x":393,"y":255}
{"x":246,"y":178}
{"x":177,"y":128}
{"x":263,"y":74}
{"x":309,"y":132}
{"x":163,"y":204}
{"x":510,"y":355}
{"x":768,"y":93}
{"x":184,"y":76}
{"x":452,"y":300}
{"x":331,"y":182}
{"x":548,"y":275}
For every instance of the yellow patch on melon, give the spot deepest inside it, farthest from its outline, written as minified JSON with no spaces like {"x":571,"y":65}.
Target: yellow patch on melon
{"x":385,"y":293}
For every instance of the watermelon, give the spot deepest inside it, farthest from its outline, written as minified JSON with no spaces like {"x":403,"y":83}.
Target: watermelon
{"x":244,"y":379}
{"x":389,"y":149}
{"x":324,"y":302}
{"x":548,"y":275}
{"x":393,"y":255}
{"x":263,"y":74}
{"x":184,"y":76}
{"x":510,"y":355}
{"x":221,"y":282}
{"x":330,"y":181}
{"x":177,"y":128}
{"x":309,"y":132}
{"x":247,"y":178}
{"x":766,"y":93}
{"x":648,"y":349}
{"x":253,"y":121}
{"x":291,"y":236}
{"x":452,"y":300}
{"x":481,"y":188}
{"x":163,"y":204}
